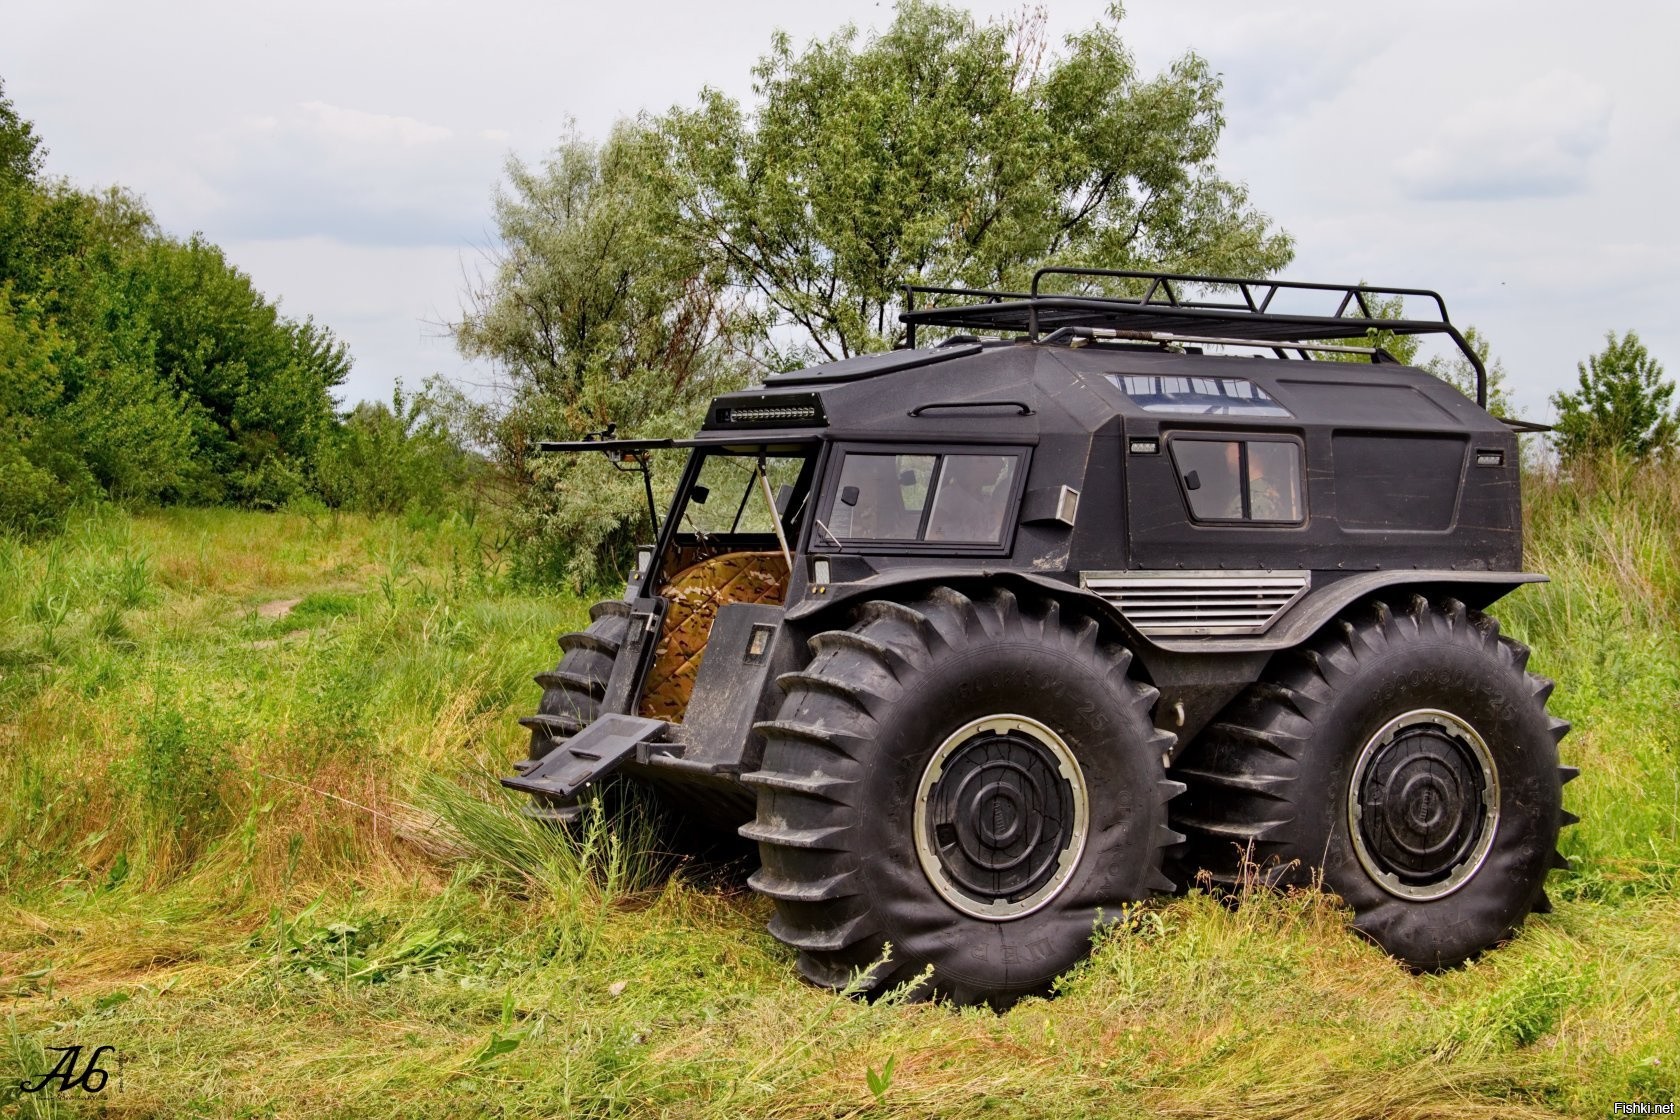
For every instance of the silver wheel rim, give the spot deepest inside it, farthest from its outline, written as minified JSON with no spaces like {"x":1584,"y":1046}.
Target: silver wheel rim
{"x":1054,"y":748}
{"x":1474,"y":749}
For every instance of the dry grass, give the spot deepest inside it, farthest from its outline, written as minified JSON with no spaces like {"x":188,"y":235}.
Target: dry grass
{"x":271,"y":874}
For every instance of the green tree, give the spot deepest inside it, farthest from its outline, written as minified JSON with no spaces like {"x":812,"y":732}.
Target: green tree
{"x":20,"y":149}
{"x":39,"y":475}
{"x":258,"y":387}
{"x":947,"y":152}
{"x":389,"y":458}
{"x":1621,"y":404}
{"x":1456,"y":370}
{"x":137,"y":366}
{"x":20,"y":164}
{"x":595,"y":312}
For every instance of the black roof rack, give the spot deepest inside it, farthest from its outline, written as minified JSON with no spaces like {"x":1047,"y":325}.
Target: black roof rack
{"x":1238,"y":313}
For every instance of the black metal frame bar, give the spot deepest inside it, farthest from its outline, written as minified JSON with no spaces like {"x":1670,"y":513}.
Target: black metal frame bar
{"x":1166,"y":309}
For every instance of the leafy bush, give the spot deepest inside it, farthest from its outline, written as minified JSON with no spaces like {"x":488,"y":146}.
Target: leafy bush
{"x":385,"y":459}
{"x":176,"y":769}
{"x":1622,"y":405}
{"x":139,"y":367}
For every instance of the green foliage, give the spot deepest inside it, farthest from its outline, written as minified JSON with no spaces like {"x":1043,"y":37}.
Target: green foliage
{"x":141,"y":368}
{"x":389,"y":458}
{"x":598,"y":315}
{"x":1622,"y":405}
{"x":359,"y":949}
{"x":637,"y":277}
{"x":594,"y":309}
{"x":39,"y":478}
{"x":943,"y":151}
{"x":1604,"y":531}
{"x":175,"y":770}
{"x":880,"y":1081}
{"x":20,"y":148}
{"x":257,"y":386}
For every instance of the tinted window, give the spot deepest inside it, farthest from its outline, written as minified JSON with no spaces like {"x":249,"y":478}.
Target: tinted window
{"x":881,"y":497}
{"x":1211,"y":477}
{"x":1240,"y":479}
{"x":972,"y":498}
{"x":956,"y":499}
{"x":1198,"y":396}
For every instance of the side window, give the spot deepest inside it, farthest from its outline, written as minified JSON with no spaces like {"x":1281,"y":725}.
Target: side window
{"x":973,"y":496}
{"x":881,"y":497}
{"x":959,"y":499}
{"x":1241,"y":479}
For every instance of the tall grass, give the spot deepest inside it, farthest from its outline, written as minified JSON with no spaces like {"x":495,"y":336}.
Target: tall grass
{"x":1607,"y":627}
{"x":204,"y":686}
{"x":249,"y":836}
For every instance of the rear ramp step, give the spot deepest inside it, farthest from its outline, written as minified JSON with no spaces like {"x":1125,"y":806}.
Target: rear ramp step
{"x":591,"y":754}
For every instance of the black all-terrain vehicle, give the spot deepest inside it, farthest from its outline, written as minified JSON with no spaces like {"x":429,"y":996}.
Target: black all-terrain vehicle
{"x":982,"y":641}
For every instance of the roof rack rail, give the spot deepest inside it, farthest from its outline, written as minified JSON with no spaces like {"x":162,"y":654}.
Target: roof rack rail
{"x":1165,"y":311}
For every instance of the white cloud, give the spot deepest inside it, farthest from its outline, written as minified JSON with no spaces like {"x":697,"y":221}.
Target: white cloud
{"x":351,"y":172}
{"x":359,"y":176}
{"x":358,"y":127}
{"x":1536,"y":141}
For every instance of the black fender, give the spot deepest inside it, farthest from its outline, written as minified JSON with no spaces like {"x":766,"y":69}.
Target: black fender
{"x":1477,"y":590}
{"x":1197,"y":677}
{"x":814,"y":612}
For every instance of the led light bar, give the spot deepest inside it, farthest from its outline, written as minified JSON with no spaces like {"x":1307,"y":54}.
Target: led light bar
{"x":767,"y":415}
{"x":767,"y":410}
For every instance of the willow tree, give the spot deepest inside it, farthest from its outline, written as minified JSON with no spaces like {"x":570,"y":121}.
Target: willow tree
{"x":594,"y":312}
{"x":946,"y":151}
{"x":635,"y":277}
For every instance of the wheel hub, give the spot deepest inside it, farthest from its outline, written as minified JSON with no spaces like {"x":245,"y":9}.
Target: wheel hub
{"x":1423,"y":804}
{"x":1001,"y":817}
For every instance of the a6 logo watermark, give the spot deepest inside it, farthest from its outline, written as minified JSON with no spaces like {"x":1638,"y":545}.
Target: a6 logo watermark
{"x":71,"y":1074}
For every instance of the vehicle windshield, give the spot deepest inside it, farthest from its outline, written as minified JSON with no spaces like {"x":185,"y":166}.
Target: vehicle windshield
{"x":734,"y":493}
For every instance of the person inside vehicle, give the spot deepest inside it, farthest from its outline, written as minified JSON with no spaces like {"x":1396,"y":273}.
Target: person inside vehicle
{"x":1271,"y":484}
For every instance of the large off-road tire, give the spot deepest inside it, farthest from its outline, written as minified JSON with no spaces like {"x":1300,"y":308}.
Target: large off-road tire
{"x":573,"y":689}
{"x":1405,"y":758}
{"x":970,"y":782}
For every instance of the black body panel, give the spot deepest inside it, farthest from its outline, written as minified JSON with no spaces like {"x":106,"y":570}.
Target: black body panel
{"x":1341,"y":478}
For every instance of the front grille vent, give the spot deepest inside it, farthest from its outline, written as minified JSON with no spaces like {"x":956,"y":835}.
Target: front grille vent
{"x":1200,"y":604}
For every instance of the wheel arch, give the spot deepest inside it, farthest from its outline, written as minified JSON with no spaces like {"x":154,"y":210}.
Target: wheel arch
{"x":827,"y":612}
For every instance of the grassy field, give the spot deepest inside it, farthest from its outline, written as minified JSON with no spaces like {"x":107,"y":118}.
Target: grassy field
{"x":250,"y":840}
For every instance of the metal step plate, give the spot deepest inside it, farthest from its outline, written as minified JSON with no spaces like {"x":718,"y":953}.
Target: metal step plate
{"x":591,"y":754}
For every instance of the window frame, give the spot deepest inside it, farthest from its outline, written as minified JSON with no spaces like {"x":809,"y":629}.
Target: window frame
{"x":1242,"y":439}
{"x":809,"y":451}
{"x":822,"y":542}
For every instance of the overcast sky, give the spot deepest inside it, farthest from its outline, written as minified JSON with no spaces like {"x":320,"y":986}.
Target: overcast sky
{"x":1519,"y":157}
